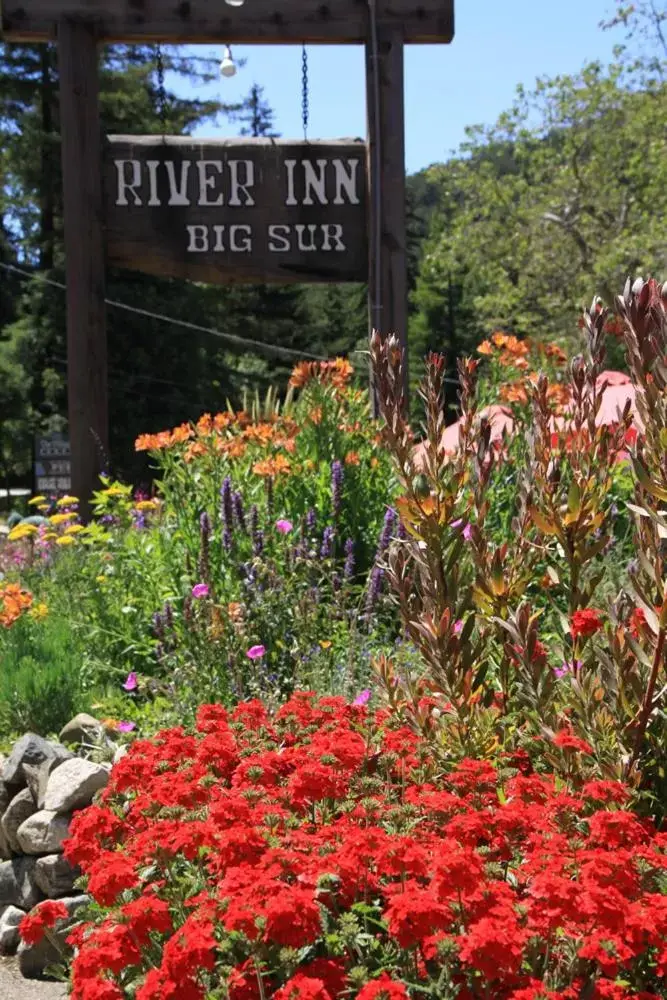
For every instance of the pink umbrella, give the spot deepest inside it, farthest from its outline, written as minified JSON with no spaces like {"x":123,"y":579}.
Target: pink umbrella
{"x":617,"y":389}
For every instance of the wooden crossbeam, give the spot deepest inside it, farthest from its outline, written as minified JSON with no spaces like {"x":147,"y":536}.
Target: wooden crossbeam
{"x":206,"y":21}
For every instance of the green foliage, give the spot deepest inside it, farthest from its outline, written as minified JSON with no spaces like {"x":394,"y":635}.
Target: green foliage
{"x":40,"y":677}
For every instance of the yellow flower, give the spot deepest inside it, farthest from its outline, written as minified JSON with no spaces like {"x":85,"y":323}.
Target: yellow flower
{"x":67,"y":501}
{"x":74,"y":529}
{"x":116,"y":491}
{"x":22,"y":531}
{"x":65,"y":540}
{"x":325,"y":645}
{"x":62,"y":518}
{"x":49,"y":536}
{"x":36,"y":500}
{"x":100,"y":579}
{"x":146,"y":505}
{"x":39,"y":612}
{"x":43,"y":507}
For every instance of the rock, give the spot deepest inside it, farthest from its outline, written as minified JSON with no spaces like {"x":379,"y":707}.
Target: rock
{"x":31,"y":749}
{"x":5,"y":849}
{"x":83,"y":728}
{"x":43,"y":832}
{"x":17,"y":812}
{"x":36,"y":958}
{"x":17,"y":884}
{"x":73,"y":785}
{"x":5,"y":796}
{"x":37,"y":777}
{"x":9,"y":929}
{"x":55,"y":876}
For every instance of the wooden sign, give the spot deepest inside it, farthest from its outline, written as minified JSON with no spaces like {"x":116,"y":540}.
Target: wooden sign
{"x":53,"y":470}
{"x":251,"y":210}
{"x":172,"y":21}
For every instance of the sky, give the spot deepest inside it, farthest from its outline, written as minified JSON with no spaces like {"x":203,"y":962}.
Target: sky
{"x":497,"y":45}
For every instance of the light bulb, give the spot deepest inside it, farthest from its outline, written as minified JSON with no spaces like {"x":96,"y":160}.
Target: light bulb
{"x":235,"y":3}
{"x":227,"y":66}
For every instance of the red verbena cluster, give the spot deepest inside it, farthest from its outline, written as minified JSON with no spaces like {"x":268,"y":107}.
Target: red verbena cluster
{"x":321,"y":853}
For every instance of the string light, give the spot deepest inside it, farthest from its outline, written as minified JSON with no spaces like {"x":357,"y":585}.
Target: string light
{"x":234,"y":3}
{"x":228,"y":66}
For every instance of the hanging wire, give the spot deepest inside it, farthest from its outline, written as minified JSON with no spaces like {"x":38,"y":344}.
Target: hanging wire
{"x":161,"y":91}
{"x":305,"y":100}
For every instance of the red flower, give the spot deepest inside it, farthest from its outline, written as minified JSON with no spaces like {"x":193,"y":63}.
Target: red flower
{"x":585,"y":623}
{"x":414,"y":914}
{"x":301,"y":987}
{"x":33,"y":926}
{"x":566,"y":740}
{"x":383,"y":988}
{"x":292,"y":918}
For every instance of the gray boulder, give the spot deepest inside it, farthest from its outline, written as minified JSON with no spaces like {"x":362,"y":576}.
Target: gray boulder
{"x":83,"y":728}
{"x":17,"y":812}
{"x":34,"y":959}
{"x":43,"y":832}
{"x":9,"y":929}
{"x":73,"y":785}
{"x":55,"y":876}
{"x":37,"y":778}
{"x":33,"y":750}
{"x":17,"y":884}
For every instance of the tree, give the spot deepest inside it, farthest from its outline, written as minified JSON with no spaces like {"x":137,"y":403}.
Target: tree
{"x":563,"y":197}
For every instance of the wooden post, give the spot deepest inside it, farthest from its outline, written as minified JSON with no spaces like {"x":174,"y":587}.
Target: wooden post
{"x":388,"y":283}
{"x":84,"y":256}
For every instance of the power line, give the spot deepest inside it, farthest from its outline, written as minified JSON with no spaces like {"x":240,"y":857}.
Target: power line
{"x":146,"y":314}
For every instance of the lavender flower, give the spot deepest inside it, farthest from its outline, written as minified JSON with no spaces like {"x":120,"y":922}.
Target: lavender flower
{"x":258,"y":543}
{"x":205,"y":526}
{"x":374,"y":588}
{"x":158,"y":625}
{"x":239,"y":513}
{"x":402,"y":533}
{"x":387,"y":531}
{"x":337,"y":476}
{"x":326,"y":550}
{"x":254,"y":519}
{"x":227,"y":511}
{"x":310,"y":520}
{"x":348,"y":571}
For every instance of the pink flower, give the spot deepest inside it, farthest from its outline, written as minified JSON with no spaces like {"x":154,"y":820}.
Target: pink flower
{"x":126,"y":727}
{"x":284,"y":526}
{"x":256,"y":652}
{"x":200,"y":590}
{"x":568,"y":668}
{"x":458,"y":627}
{"x":363,"y":698}
{"x":131,"y":684}
{"x":467,"y":528}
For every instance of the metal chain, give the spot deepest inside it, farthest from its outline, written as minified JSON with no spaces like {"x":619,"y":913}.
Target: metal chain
{"x":305,"y":110}
{"x":162,"y":94}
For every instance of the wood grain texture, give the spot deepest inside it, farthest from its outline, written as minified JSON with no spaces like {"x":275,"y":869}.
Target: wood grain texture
{"x":84,"y":256}
{"x":388,"y":282}
{"x":157,"y":239}
{"x":271,"y":21}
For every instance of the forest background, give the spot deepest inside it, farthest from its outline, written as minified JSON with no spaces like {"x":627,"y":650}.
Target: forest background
{"x":564,"y":195}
